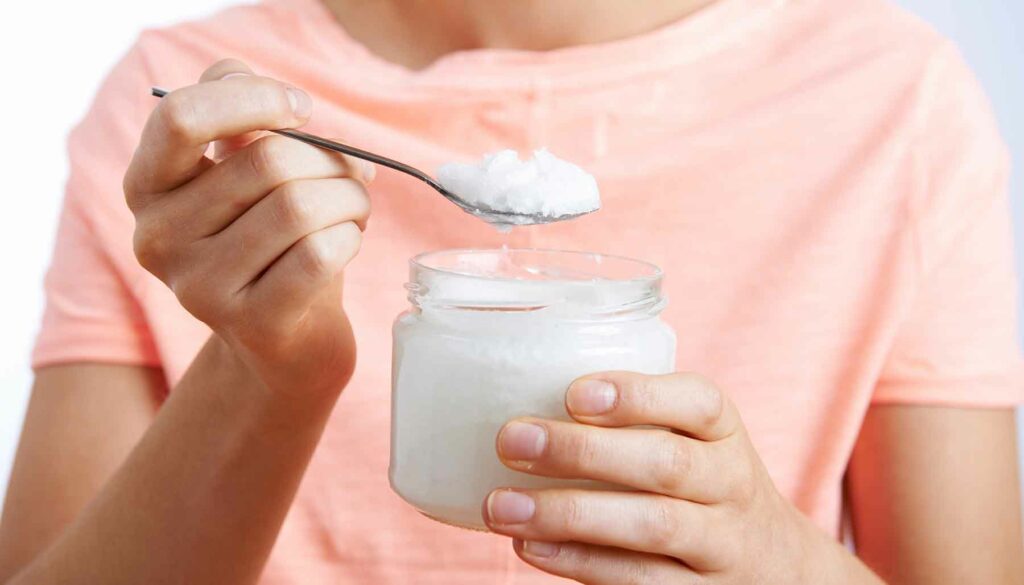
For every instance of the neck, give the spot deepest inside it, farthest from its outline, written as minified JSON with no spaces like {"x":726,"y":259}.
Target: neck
{"x":415,"y":33}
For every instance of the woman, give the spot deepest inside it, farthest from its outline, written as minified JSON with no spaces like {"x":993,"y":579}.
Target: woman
{"x":821,"y":181}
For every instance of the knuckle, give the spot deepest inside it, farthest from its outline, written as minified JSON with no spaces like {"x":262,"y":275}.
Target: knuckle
{"x":271,"y":94}
{"x":196,"y":297}
{"x":352,"y":236}
{"x":585,"y":449}
{"x":709,"y":401}
{"x":146,"y":252}
{"x":581,"y":560}
{"x":675,"y":463}
{"x":270,"y":99}
{"x":151,"y":246}
{"x":223,"y":67}
{"x":360,"y":198}
{"x":177,"y":115}
{"x":350,"y":241}
{"x":267,"y":159}
{"x":712,"y":405}
{"x":223,"y":63}
{"x":638,"y":573}
{"x":573,"y":514}
{"x":661,"y":525}
{"x":314,"y":256}
{"x":130,"y":186}
{"x":644,"y":394}
{"x":292,"y":209}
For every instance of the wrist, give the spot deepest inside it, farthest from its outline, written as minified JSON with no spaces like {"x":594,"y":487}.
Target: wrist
{"x":828,"y":562}
{"x":245,"y":392}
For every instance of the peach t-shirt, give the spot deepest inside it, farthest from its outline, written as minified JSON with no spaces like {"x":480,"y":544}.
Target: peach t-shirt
{"x":822,"y":182}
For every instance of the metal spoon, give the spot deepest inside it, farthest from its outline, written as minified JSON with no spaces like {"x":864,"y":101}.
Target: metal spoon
{"x":497,"y":217}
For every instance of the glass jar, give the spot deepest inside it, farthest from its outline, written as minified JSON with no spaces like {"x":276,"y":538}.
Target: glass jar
{"x":497,"y":334}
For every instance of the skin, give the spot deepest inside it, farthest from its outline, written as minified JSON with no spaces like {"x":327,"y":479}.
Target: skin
{"x":254,"y":240}
{"x":933,"y":497}
{"x":415,"y":33}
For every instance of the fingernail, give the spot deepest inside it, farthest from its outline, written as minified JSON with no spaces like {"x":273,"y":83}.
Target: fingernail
{"x":520,"y":441}
{"x":540,"y":549}
{"x":591,"y":397}
{"x":234,"y":75}
{"x":369,"y":170}
{"x":508,"y":507}
{"x":302,"y":105}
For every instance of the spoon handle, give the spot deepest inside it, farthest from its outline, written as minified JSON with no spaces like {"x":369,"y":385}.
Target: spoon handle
{"x":326,"y":144}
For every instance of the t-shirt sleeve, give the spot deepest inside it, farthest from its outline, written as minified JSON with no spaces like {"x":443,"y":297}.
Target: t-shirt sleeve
{"x":92,"y":313}
{"x":959,"y":343}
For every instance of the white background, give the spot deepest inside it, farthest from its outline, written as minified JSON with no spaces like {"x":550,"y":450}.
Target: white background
{"x":55,"y":53}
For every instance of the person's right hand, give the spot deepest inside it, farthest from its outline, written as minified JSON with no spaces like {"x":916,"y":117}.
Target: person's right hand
{"x":254,"y":242}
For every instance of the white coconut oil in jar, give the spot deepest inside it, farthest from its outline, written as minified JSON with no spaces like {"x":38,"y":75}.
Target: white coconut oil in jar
{"x":496,"y":334}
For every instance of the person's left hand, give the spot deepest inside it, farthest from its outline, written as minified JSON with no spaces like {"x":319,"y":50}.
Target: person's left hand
{"x":706,"y":510}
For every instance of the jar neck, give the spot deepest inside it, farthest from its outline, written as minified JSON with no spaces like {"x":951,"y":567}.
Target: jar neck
{"x":566,"y":285}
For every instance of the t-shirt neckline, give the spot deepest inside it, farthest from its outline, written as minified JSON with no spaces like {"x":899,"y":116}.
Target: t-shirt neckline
{"x":714,"y":28}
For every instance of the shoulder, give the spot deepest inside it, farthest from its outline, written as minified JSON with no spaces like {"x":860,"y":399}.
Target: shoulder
{"x":175,"y":56}
{"x":255,"y":33}
{"x":869,"y":24}
{"x":102,"y":143}
{"x":954,"y":142}
{"x":875,"y":37}
{"x":882,"y":54}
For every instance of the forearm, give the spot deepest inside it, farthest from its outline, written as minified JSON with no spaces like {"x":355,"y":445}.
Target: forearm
{"x":815,"y":556}
{"x":202,"y":496}
{"x":934,"y":495}
{"x":254,"y":246}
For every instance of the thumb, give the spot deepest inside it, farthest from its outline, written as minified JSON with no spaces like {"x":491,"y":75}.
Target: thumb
{"x":227,"y":69}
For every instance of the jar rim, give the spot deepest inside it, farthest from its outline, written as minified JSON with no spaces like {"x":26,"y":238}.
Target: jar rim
{"x":419,"y":261}
{"x":531,"y":279}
